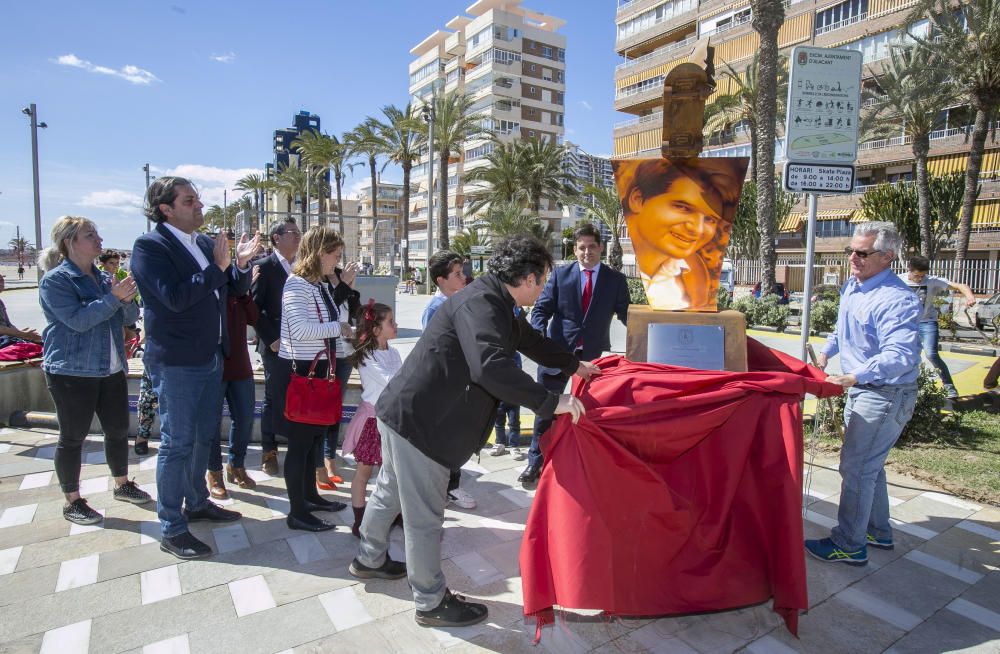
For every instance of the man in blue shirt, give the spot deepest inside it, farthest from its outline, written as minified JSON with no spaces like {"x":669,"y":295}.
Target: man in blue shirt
{"x":879,"y":346}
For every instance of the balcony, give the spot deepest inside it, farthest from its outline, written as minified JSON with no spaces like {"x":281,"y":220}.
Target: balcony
{"x":658,"y":31}
{"x":839,"y":24}
{"x":656,"y":117}
{"x":660,"y":55}
{"x":722,"y":29}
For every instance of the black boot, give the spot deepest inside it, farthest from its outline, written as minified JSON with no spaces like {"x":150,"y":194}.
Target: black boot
{"x":359,"y":515}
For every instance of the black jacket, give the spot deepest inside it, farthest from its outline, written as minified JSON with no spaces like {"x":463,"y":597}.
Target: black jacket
{"x":267,"y":296}
{"x":444,"y":399}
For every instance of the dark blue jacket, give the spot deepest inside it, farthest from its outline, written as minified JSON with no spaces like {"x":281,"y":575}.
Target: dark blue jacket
{"x":181,"y":312}
{"x":562,"y":302}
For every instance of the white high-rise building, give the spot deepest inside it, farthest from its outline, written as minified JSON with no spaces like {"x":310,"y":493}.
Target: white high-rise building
{"x":511,"y":61}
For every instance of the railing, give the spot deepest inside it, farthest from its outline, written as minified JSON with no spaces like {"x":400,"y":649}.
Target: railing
{"x":642,"y":87}
{"x":843,"y":23}
{"x":875,"y":101}
{"x":638,"y":61}
{"x":878,"y":144}
{"x":936,"y":135}
{"x":655,"y":117}
{"x":728,"y":26}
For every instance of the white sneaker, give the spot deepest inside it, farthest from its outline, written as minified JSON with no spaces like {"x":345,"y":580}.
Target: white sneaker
{"x":461,"y":499}
{"x":518,"y":454}
{"x":498,"y":450}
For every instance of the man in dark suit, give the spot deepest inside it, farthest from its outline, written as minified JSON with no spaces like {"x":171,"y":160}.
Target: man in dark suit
{"x":268,"y":285}
{"x":580,"y":299}
{"x":184,"y":278}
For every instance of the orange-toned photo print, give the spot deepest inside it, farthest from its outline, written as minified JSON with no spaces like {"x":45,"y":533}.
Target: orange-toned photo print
{"x":679,"y":214}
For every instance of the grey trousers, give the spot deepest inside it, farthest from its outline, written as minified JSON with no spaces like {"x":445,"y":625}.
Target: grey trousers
{"x":413,"y":484}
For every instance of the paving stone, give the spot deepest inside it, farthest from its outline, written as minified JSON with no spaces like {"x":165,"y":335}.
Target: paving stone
{"x":659,"y":637}
{"x":116,"y":534}
{"x":48,"y":612}
{"x":365,"y":638}
{"x":223,"y":568}
{"x":947,"y":631}
{"x":266,"y":632}
{"x":927,"y":513}
{"x":27,"y":584}
{"x":69,"y":639}
{"x":905,"y":583}
{"x":141,"y":625}
{"x":133,"y":560}
{"x":986,"y":593}
{"x":27,"y":645}
{"x":306,"y":581}
{"x":729,"y":631}
{"x":251,"y":595}
{"x":853,"y":630}
{"x":35,"y":532}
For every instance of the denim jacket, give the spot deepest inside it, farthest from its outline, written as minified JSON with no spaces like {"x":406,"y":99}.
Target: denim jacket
{"x":83,"y":318}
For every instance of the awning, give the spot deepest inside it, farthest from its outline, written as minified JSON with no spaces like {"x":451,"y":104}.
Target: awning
{"x":791,"y":223}
{"x":838,"y":214}
{"x":955,"y":163}
{"x":986,"y":214}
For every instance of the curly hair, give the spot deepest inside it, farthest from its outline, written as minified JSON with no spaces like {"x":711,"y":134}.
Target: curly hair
{"x":162,"y":191}
{"x":516,"y":258}
{"x":318,"y":240}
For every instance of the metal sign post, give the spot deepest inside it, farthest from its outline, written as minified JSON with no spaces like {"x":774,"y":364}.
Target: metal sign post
{"x":821,"y":138}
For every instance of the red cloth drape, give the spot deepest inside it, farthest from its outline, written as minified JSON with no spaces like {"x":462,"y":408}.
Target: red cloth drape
{"x":680,"y":491}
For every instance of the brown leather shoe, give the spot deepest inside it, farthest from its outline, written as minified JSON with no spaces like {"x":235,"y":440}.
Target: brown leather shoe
{"x":239,"y":477}
{"x":216,"y":487}
{"x":269,"y":463}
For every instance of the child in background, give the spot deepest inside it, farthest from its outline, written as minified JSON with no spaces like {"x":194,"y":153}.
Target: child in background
{"x":376,"y":363}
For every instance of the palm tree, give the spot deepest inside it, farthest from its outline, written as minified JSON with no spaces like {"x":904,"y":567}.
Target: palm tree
{"x":339,"y":164}
{"x":916,"y":94}
{"x":768,"y":15}
{"x":607,"y":209}
{"x":544,"y":172}
{"x":453,"y":126}
{"x":318,"y":152}
{"x":366,"y":140}
{"x":507,"y":219}
{"x":500,"y":180}
{"x":256,"y":184}
{"x":966,"y":44}
{"x":465,"y":239}
{"x":291,"y":181}
{"x":403,"y":134}
{"x":740,"y":104}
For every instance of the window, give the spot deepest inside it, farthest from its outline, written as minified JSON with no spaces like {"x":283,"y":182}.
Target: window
{"x":531,"y":67}
{"x":531,"y":133}
{"x":841,"y":15}
{"x":546,"y":51}
{"x":876,"y":47}
{"x":649,"y":18}
{"x":559,"y":75}
{"x":425,"y":71}
{"x":532,"y":90}
{"x":482,"y":37}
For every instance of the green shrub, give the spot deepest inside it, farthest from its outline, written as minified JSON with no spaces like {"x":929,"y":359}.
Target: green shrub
{"x":724,"y":299}
{"x":636,"y":292}
{"x":929,"y":424}
{"x":823,"y":316}
{"x":747,"y":305}
{"x":770,"y":313}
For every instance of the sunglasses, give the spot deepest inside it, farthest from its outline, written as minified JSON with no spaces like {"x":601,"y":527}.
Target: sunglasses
{"x":861,"y":254}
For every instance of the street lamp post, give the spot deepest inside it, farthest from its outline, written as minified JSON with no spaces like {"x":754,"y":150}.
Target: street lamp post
{"x":428,"y":116}
{"x":32,"y":112}
{"x":145,"y":169}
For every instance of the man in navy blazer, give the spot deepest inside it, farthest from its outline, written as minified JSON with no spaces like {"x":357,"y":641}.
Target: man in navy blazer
{"x":184,"y":278}
{"x":560,"y":313}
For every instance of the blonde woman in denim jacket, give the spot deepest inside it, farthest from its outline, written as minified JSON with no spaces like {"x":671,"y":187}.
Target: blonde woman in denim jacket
{"x":84,"y":359}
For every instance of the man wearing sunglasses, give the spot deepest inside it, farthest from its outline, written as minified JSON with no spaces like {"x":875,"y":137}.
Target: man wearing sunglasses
{"x":879,"y":345}
{"x":928,"y":288}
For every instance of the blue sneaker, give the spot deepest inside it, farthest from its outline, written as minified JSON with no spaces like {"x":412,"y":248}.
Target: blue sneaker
{"x":825,"y":550}
{"x":881,"y":543}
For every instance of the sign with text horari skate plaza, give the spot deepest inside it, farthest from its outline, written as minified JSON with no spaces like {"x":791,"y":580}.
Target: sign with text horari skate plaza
{"x":821,"y":121}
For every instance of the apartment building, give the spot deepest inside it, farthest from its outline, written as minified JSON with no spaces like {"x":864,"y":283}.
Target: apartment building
{"x":510,"y":60}
{"x":285,"y":155}
{"x":379,"y":238}
{"x":653,"y":36}
{"x":586,"y":169}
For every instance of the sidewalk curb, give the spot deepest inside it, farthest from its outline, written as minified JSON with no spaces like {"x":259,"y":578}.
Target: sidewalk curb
{"x":977,"y":350}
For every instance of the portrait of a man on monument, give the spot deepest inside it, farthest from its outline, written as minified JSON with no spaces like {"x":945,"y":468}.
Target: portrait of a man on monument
{"x":679,"y":214}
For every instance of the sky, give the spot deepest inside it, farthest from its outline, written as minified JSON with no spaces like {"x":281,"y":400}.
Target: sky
{"x":197,"y":89}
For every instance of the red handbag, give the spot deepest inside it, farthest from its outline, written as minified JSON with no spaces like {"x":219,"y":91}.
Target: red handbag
{"x":314,"y":400}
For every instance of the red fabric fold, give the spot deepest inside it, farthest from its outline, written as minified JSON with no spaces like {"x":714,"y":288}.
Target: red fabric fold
{"x":679,"y":492}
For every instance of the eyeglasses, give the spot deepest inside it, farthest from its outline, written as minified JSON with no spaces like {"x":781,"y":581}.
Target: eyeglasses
{"x":861,"y":254}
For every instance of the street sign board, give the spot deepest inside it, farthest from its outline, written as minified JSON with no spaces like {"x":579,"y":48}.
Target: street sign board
{"x":480,"y":249}
{"x":824,"y":104}
{"x":818,"y":178}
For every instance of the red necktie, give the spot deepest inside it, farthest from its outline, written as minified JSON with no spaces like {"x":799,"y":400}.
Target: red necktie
{"x":588,"y":290}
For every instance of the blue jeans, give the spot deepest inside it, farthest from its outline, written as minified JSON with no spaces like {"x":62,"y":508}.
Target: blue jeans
{"x":189,"y":423}
{"x":557,"y":384}
{"x":508,"y":425}
{"x":873,"y":420}
{"x":239,"y":394}
{"x":327,"y":446}
{"x":929,"y":341}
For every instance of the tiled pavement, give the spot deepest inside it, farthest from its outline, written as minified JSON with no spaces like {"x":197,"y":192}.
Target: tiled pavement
{"x":67,"y":589}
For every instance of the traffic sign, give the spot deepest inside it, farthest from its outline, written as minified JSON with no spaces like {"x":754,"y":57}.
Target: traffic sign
{"x":818,"y":178}
{"x":824,"y":105}
{"x":480,"y":249}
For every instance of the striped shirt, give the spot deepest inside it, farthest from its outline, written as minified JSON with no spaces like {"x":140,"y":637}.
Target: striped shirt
{"x":303,"y":330}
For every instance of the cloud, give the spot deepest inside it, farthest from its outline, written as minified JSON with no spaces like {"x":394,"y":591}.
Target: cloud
{"x":355,"y":191}
{"x":114,"y":199}
{"x":129,"y":73}
{"x":227,"y":58}
{"x":585,"y":105}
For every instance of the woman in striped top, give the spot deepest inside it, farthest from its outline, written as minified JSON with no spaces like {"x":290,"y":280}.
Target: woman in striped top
{"x":309,"y":326}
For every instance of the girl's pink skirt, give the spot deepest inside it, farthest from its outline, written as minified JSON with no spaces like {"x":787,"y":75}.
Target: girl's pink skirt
{"x":363,"y":439}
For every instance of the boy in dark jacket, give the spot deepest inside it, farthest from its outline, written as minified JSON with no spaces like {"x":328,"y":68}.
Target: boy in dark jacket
{"x":439,"y":409}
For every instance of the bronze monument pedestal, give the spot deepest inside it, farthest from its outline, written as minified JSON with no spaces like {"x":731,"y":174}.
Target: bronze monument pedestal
{"x":640,"y":317}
